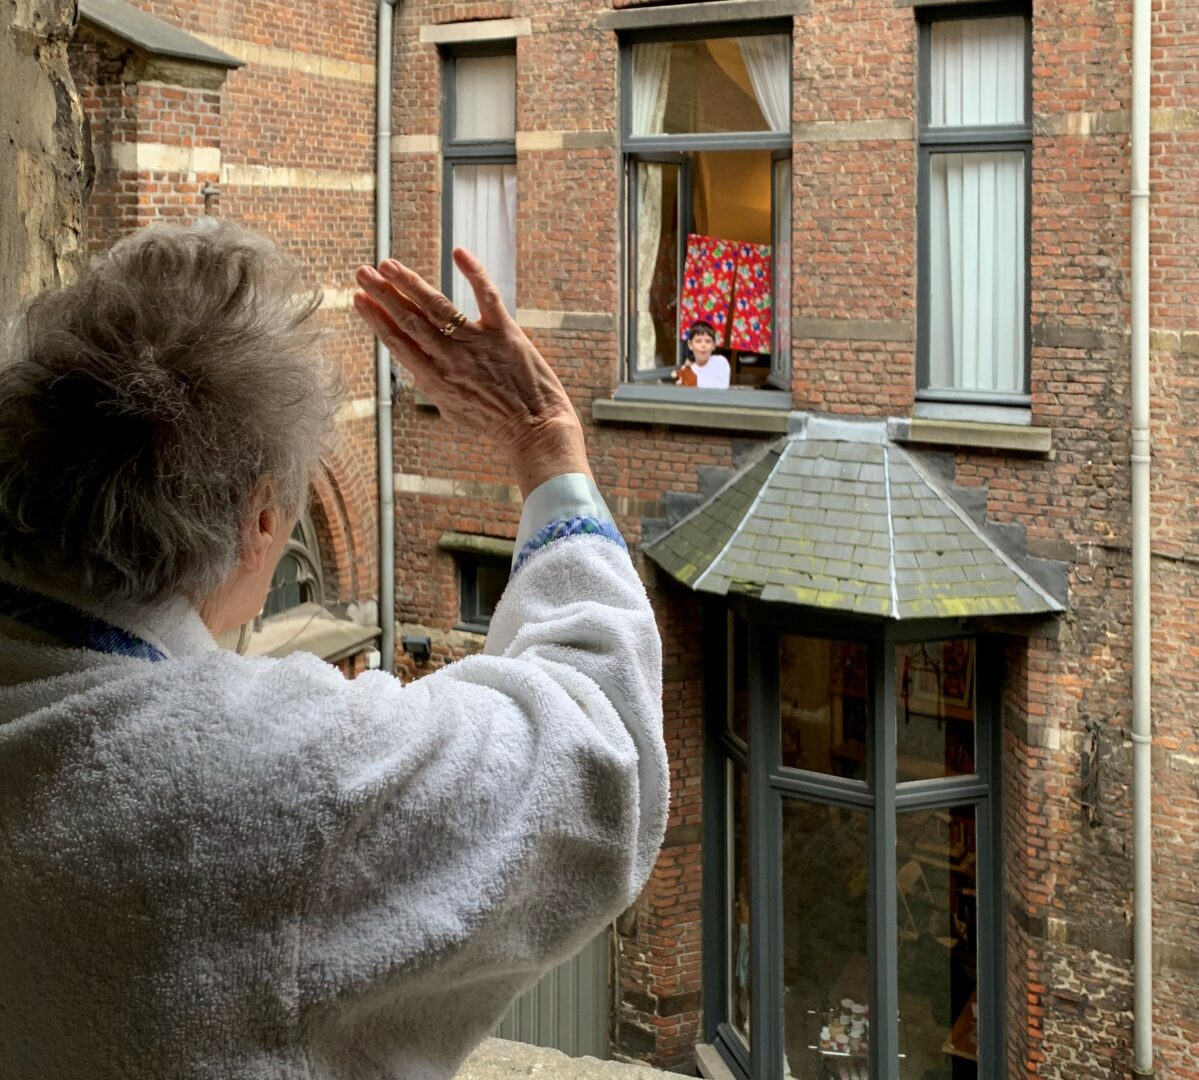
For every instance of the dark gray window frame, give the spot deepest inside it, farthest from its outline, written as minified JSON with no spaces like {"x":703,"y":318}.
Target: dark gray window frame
{"x":1015,"y":137}
{"x":455,"y":151}
{"x":470,"y":617}
{"x":672,"y":149}
{"x":770,"y":784}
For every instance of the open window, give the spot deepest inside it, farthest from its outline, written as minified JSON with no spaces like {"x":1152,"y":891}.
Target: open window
{"x":707,"y":166}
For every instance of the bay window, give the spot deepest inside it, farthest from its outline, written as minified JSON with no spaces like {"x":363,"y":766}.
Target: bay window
{"x":852,"y":883}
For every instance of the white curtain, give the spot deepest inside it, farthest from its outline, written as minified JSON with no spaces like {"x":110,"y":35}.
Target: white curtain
{"x":485,"y":97}
{"x":651,"y":82}
{"x":976,"y":271}
{"x":485,"y":222}
{"x":977,"y":71}
{"x":768,"y":61}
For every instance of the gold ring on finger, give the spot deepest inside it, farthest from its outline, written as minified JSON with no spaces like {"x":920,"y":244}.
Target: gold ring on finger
{"x":453,"y":324}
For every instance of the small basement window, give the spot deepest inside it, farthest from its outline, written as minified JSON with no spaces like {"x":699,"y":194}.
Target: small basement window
{"x":481,"y":582}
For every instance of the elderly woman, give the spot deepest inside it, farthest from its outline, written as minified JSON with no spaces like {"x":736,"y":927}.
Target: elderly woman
{"x":215,"y":866}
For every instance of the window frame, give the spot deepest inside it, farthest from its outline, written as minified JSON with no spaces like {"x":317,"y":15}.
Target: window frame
{"x":770,"y":783}
{"x":673,"y":149}
{"x":965,"y":140}
{"x":306,"y":549}
{"x":467,"y":565}
{"x":455,"y":151}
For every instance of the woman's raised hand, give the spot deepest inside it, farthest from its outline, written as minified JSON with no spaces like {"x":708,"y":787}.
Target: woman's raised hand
{"x":484,"y":375}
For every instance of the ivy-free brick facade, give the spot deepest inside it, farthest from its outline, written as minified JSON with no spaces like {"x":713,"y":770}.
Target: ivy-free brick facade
{"x":294,"y":127}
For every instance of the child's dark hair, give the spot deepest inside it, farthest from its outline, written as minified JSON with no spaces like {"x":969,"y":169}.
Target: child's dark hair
{"x":701,"y":327}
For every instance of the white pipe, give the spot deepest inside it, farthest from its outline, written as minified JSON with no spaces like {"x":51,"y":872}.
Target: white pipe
{"x":1142,"y":817}
{"x":383,"y":427}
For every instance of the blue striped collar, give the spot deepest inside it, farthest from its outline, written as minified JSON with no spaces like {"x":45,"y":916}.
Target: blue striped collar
{"x":70,"y":625}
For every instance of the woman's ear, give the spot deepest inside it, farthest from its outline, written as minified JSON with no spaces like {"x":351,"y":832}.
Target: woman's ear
{"x":263,"y":528}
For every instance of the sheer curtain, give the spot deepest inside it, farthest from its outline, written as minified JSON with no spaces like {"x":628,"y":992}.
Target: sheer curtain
{"x":485,"y":97}
{"x":768,"y":61}
{"x":976,"y":213}
{"x":485,"y":222}
{"x":651,"y":82}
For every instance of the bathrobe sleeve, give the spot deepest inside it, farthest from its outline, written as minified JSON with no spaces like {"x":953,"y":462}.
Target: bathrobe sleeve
{"x":484,"y":822}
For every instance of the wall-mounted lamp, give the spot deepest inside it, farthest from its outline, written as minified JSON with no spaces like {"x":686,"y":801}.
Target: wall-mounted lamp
{"x":419,"y":648}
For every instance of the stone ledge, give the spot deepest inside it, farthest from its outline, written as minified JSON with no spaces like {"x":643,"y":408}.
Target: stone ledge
{"x":709,"y":417}
{"x":475,"y":544}
{"x":710,"y":11}
{"x":1022,"y":439}
{"x":502,"y":1059}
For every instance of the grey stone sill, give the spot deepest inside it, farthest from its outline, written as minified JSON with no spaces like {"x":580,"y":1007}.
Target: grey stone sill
{"x":422,"y":400}
{"x":672,"y":414}
{"x":1021,"y":438}
{"x":711,"y":1064}
{"x":473,"y":544}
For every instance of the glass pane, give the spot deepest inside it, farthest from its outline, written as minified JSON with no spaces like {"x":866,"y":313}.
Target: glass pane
{"x":938,"y":943}
{"x":738,"y":899}
{"x":824,"y":705}
{"x":826,"y":969}
{"x":485,"y":97}
{"x":780,"y":358}
{"x":976,"y":271}
{"x":490,"y":581}
{"x":935,"y":709}
{"x":722,"y":84}
{"x":977,"y":74}
{"x":485,"y":222}
{"x":738,"y":715}
{"x":656,"y":259}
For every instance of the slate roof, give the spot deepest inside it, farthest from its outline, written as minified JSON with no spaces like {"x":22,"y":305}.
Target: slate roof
{"x":848,"y":526}
{"x":151,"y":34}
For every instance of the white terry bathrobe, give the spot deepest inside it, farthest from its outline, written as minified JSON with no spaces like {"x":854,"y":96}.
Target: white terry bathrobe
{"x":222,"y":867}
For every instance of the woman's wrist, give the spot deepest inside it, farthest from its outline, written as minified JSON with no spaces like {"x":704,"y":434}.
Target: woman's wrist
{"x":549,"y":450}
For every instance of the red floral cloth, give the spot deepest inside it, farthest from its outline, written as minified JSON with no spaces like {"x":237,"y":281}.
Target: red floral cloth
{"x":707,"y":291}
{"x":751,"y":300}
{"x":728,"y":284}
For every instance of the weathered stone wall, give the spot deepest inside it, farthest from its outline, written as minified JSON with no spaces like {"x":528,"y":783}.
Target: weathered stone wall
{"x":42,"y":156}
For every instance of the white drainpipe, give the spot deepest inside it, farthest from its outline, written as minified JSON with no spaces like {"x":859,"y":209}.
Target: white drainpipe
{"x":1141,"y":628}
{"x":383,"y":434}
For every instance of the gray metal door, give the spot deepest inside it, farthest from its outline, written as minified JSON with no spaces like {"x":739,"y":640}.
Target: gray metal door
{"x":568,"y":1009}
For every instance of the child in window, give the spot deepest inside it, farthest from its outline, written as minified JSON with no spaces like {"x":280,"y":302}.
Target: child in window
{"x":708,"y":369}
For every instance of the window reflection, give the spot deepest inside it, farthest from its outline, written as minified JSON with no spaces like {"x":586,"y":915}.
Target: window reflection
{"x":738,"y":954}
{"x":824,"y":705}
{"x":826,"y":973}
{"x":936,"y":877}
{"x":935,"y":705}
{"x":738,"y":718}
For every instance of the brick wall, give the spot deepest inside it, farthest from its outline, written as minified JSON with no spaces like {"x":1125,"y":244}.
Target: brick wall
{"x":1067,"y":891}
{"x":292,"y":136}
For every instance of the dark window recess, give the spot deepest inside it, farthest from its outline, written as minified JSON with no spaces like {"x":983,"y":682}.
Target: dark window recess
{"x":481,"y":583}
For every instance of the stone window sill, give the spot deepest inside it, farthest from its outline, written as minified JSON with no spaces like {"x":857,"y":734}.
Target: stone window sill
{"x":1018,"y":438}
{"x":681,"y":415}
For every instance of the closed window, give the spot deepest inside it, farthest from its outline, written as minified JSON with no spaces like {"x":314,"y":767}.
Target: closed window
{"x":706,"y":135}
{"x":479,"y":185}
{"x":975,"y":150}
{"x":481,"y":582}
{"x":297,"y":578}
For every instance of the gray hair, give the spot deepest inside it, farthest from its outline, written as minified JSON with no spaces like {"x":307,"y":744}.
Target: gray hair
{"x":142,"y":406}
